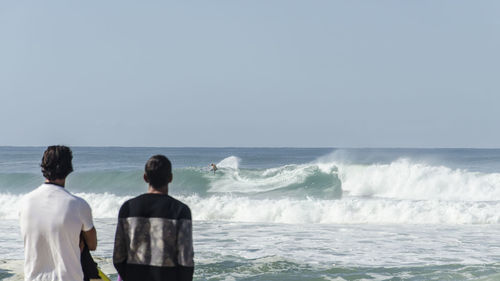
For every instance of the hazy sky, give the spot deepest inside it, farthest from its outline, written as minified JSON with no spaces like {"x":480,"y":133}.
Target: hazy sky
{"x":250,"y":73}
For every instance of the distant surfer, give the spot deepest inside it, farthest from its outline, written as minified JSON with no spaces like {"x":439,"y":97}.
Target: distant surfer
{"x":213,"y":167}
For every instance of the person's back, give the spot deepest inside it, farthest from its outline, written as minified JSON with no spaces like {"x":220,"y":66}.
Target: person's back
{"x":154,"y":234}
{"x":50,"y":225}
{"x":51,"y":220}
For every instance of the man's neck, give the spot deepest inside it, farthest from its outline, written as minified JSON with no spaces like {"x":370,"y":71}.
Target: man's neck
{"x":163,"y":190}
{"x":59,"y":182}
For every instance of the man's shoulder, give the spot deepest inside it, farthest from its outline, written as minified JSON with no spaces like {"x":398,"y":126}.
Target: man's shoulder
{"x":27,"y":198}
{"x":37,"y":190}
{"x":57,"y":197}
{"x":183,"y":211}
{"x":148,"y":197}
{"x":135,"y":200}
{"x":155,"y":205}
{"x":41,"y":192}
{"x":176,"y":203}
{"x":179,"y":203}
{"x":125,"y":207}
{"x":66,"y":195}
{"x":80,"y":201}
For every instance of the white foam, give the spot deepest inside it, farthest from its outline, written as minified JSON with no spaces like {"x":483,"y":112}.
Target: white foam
{"x":349,"y":210}
{"x":400,"y":192}
{"x":9,"y":206}
{"x":403,"y":179}
{"x":345,"y":211}
{"x":104,"y":205}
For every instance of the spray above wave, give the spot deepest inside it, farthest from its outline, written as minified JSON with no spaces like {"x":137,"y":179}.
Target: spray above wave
{"x":231,"y":162}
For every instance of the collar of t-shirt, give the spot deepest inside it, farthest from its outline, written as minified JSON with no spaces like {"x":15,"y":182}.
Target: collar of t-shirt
{"x":48,"y":182}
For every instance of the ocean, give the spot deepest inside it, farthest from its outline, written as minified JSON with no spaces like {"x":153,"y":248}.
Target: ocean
{"x":293,"y":213}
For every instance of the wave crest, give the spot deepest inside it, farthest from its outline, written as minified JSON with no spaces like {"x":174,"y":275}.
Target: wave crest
{"x":291,"y":180}
{"x":403,"y":179}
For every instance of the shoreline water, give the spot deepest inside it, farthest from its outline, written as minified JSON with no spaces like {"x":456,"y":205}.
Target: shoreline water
{"x":230,"y":251}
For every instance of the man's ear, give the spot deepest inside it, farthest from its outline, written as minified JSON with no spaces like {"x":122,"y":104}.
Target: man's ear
{"x":171,"y":178}
{"x":145,"y":178}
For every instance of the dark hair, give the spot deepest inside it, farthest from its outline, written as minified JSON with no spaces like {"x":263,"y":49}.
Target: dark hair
{"x":158,"y":171}
{"x":56,"y":162}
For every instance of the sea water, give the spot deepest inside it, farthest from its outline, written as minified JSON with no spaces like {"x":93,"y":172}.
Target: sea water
{"x":293,"y":213}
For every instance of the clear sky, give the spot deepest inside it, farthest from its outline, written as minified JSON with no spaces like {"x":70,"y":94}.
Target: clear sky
{"x":250,"y":73}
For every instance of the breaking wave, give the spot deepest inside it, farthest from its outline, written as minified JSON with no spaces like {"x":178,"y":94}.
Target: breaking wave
{"x":331,"y":191}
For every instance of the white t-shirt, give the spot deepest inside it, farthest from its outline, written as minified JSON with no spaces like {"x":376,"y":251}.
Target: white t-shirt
{"x":51,"y":222}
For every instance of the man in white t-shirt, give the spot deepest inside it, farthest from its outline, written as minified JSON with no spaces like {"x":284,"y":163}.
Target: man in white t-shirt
{"x":51,"y":222}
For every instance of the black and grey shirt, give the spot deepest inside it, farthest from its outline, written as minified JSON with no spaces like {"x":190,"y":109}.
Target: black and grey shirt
{"x":154,"y":239}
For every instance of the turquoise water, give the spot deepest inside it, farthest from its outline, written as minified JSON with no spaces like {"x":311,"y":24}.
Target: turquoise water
{"x":295,"y":214}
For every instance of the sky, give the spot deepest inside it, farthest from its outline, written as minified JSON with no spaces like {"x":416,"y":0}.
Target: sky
{"x":258,"y":73}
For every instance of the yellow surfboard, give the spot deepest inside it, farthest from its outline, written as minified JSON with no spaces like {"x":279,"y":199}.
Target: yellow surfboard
{"x":103,"y":276}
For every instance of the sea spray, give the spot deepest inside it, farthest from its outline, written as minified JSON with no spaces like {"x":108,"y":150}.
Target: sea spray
{"x":231,"y":162}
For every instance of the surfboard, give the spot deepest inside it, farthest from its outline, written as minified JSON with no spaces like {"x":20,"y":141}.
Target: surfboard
{"x":102,"y":275}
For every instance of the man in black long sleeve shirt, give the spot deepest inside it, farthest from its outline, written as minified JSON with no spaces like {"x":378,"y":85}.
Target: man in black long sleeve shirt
{"x":154,"y":232}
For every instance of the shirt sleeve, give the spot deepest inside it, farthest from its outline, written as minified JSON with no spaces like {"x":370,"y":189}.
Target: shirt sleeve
{"x":185,"y":253}
{"x":86,"y":216}
{"x":120,"y":247}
